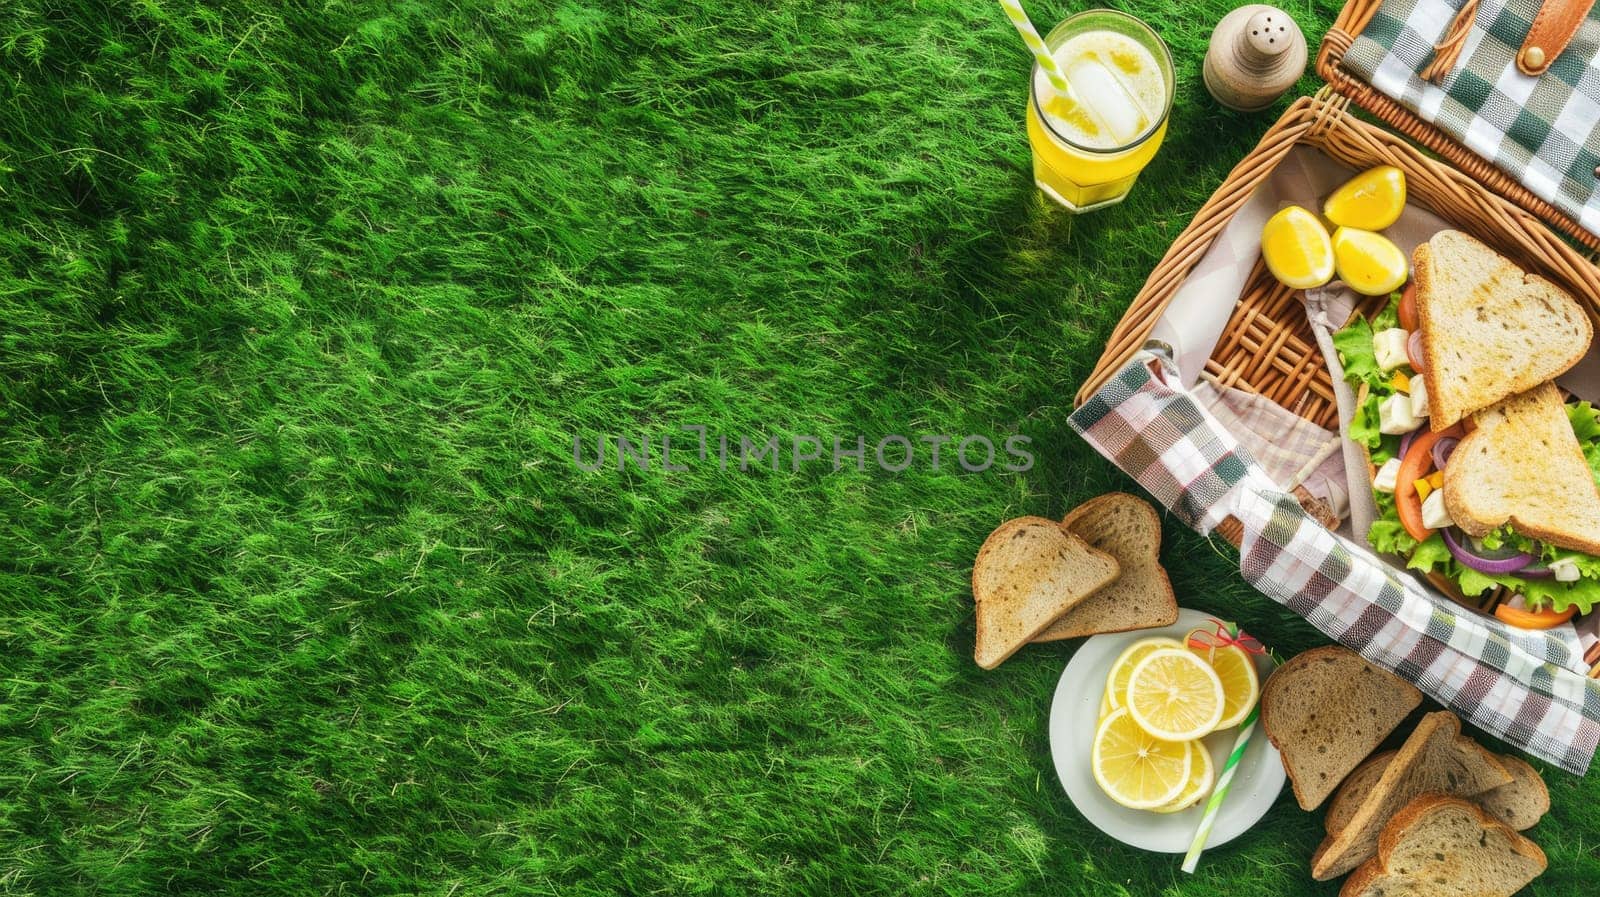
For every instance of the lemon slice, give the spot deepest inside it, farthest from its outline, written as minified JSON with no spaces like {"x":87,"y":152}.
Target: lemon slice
{"x":1174,"y":695}
{"x":1370,"y":263}
{"x":1241,"y":684}
{"x":1105,"y":704}
{"x":1134,"y":769}
{"x":1295,"y":246}
{"x":1202,"y":778}
{"x":1372,"y":200}
{"x":1117,"y":679}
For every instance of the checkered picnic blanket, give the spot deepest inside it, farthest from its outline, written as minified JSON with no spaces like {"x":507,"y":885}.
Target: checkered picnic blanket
{"x":1525,"y":687}
{"x":1545,"y":131}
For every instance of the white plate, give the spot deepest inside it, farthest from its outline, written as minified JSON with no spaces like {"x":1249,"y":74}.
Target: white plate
{"x":1076,"y":710}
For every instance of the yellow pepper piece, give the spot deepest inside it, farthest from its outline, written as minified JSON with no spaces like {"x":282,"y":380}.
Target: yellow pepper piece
{"x":1400,"y":383}
{"x":1436,"y":479}
{"x":1423,"y":487}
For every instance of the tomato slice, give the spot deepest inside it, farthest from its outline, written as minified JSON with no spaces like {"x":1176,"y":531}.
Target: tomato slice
{"x":1533,"y":619}
{"x":1408,"y":307}
{"x":1413,"y":467}
{"x":1417,"y":463}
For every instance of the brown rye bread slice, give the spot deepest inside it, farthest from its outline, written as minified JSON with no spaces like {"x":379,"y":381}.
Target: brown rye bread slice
{"x":1325,"y":710}
{"x":1029,"y":572}
{"x":1355,"y":789}
{"x":1520,"y":803}
{"x":1127,"y":528}
{"x":1435,"y":758}
{"x":1441,"y":845}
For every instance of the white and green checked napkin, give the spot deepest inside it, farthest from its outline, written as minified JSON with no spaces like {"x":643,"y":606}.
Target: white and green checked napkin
{"x":1525,"y":687}
{"x":1544,"y":132}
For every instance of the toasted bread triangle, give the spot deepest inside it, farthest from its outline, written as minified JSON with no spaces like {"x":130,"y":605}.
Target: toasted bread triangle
{"x":1522,"y":465}
{"x":1127,"y":528}
{"x":1030,"y":571}
{"x":1489,"y":329}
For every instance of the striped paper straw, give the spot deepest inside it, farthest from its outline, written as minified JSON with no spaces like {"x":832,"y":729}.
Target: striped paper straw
{"x":1030,"y":36}
{"x":1246,"y":729}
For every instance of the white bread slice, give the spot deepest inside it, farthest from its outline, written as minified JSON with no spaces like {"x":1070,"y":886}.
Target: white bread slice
{"x":1440,"y":845}
{"x":1030,"y":571}
{"x":1520,"y":803}
{"x":1489,"y":329}
{"x":1325,"y":710}
{"x":1435,"y":758}
{"x":1523,"y":466}
{"x":1127,"y":528}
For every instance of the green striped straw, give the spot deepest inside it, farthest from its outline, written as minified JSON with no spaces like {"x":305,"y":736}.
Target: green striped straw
{"x":1041,"y":53}
{"x":1246,"y":729}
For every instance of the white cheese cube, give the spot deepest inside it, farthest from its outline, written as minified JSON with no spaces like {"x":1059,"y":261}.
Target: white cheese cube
{"x":1419,"y":397}
{"x":1565,"y":570}
{"x":1390,"y":347}
{"x":1434,"y":515}
{"x":1396,"y":416}
{"x":1387,"y":474}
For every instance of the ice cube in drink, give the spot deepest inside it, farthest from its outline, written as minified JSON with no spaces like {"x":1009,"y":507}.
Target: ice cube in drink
{"x":1115,"y":87}
{"x":1105,"y":98}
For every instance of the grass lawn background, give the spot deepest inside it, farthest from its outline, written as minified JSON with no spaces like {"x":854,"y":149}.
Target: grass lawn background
{"x":301,"y":593}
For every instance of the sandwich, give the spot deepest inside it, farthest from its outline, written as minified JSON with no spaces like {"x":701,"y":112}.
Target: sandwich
{"x":1484,"y":478}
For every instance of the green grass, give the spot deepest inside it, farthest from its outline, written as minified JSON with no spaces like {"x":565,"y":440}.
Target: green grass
{"x":300,"y":590}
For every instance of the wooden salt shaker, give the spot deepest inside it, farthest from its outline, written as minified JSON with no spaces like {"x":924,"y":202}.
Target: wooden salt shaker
{"x":1257,"y":52}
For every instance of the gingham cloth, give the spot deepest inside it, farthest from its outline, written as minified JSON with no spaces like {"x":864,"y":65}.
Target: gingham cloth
{"x":1522,"y":686}
{"x":1544,"y":132}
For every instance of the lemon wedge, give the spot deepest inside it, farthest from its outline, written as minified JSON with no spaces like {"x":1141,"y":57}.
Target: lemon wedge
{"x":1117,"y":679}
{"x":1135,"y":769}
{"x":1241,"y":684}
{"x":1174,"y":695}
{"x":1372,"y":200}
{"x":1295,"y":246}
{"x":1202,"y":777}
{"x":1369,"y":263}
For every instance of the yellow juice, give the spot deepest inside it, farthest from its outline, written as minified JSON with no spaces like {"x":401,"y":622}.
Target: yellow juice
{"x":1089,"y":146}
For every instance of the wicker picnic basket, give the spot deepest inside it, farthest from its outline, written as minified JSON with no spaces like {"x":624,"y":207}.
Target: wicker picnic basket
{"x":1267,"y":346}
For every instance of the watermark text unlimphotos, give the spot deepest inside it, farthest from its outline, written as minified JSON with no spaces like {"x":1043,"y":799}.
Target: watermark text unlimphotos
{"x":693,"y":445}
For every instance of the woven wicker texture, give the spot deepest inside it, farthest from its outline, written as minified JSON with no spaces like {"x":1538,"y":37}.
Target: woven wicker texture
{"x":1267,"y":346}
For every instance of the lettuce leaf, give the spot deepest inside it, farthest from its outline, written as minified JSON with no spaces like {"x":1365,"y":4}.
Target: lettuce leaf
{"x":1559,"y":596}
{"x":1356,"y":353}
{"x":1364,"y":425}
{"x":1431,"y":554}
{"x":1389,"y":538}
{"x":1388,"y":448}
{"x":1586,"y":423}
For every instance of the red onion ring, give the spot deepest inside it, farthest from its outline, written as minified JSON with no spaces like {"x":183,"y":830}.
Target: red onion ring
{"x":1536,"y":571}
{"x":1498,"y":565}
{"x":1414,"y":351}
{"x":1405,"y":441}
{"x":1443,"y":449}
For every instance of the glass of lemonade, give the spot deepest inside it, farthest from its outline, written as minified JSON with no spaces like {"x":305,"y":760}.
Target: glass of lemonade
{"x":1089,"y":147}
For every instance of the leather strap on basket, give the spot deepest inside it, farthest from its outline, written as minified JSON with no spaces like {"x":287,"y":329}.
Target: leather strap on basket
{"x":1448,"y":49}
{"x":1553,"y":27}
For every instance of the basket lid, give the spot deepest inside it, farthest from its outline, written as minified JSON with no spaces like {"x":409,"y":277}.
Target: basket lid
{"x":1508,"y":91}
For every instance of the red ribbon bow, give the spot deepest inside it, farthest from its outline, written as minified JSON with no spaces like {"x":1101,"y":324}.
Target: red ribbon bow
{"x":1226,"y":634}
